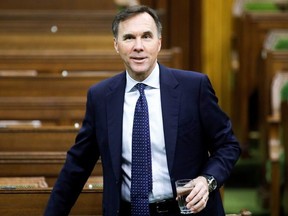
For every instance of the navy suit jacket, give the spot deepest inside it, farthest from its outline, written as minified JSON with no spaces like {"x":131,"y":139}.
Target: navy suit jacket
{"x":198,"y":140}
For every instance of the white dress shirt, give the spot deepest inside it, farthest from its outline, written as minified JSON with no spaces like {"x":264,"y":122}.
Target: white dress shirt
{"x":161,"y":180}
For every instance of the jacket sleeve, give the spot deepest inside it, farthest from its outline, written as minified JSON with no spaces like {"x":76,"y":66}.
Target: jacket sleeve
{"x":80,"y":161}
{"x":224,"y":148}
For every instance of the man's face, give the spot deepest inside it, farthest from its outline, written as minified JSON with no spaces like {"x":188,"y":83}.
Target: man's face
{"x":138,"y":45}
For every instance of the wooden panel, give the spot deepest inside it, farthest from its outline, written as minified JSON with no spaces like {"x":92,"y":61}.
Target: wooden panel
{"x":188,"y":25}
{"x":33,"y":202}
{"x":25,"y":139}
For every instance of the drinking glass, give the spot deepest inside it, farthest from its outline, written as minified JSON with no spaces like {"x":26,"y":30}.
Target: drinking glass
{"x":183,"y":188}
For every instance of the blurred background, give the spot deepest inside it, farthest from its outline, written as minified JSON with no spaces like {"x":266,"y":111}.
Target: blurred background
{"x":50,"y":48}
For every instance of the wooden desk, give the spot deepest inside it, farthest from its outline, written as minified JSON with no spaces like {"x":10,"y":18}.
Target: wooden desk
{"x":33,"y":202}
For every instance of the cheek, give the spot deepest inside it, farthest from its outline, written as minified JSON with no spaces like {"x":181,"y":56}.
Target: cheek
{"x":124,"y":49}
{"x":124,"y":55}
{"x":155,"y":48}
{"x":155,"y":51}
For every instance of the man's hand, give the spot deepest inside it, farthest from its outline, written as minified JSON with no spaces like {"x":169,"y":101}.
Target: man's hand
{"x":198,"y":197}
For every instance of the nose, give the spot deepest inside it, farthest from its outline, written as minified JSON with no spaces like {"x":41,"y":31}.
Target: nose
{"x":138,"y":46}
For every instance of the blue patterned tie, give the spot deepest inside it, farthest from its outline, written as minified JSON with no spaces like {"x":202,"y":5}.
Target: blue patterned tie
{"x":141,"y":179}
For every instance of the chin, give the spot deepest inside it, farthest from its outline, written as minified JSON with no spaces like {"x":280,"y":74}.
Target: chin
{"x":139,"y":69}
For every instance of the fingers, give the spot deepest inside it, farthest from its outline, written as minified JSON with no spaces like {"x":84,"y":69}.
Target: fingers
{"x":200,"y":205}
{"x":197,"y":199}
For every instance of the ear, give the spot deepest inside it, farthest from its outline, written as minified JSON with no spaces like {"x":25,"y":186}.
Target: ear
{"x":116,"y":45}
{"x":159,"y":44}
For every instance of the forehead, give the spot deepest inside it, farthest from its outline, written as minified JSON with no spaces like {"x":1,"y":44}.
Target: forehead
{"x":142,"y":22}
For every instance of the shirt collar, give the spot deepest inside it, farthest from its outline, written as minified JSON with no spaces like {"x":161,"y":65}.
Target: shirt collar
{"x":152,"y":80}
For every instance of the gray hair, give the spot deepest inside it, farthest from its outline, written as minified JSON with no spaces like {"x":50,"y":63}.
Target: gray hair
{"x":132,"y":11}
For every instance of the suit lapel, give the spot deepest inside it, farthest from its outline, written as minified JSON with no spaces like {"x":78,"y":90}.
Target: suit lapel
{"x":115,"y":100}
{"x":170,"y":99}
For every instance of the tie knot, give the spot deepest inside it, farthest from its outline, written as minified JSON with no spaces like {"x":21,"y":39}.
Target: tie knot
{"x":141,"y":87}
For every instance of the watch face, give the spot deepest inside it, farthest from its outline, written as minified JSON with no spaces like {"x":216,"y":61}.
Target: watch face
{"x":212,"y":183}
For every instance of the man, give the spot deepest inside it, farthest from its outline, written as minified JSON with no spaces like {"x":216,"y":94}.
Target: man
{"x":189,"y":137}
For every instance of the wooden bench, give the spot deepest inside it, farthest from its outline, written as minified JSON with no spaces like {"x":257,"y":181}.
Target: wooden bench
{"x":51,"y":111}
{"x":9,"y":183}
{"x":277,"y":142}
{"x":56,"y":29}
{"x":57,"y":61}
{"x":57,"y":21}
{"x":274,"y":62}
{"x":251,"y":30}
{"x":28,"y":139}
{"x":40,"y":41}
{"x":50,"y":85}
{"x":33,"y":202}
{"x":31,"y":164}
{"x":26,"y":92}
{"x":50,"y":98}
{"x":275,"y":69}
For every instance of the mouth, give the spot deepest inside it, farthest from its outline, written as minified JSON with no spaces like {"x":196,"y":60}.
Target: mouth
{"x":138,"y":59}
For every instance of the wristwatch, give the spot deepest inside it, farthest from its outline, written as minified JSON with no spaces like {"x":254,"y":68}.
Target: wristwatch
{"x":212,"y":183}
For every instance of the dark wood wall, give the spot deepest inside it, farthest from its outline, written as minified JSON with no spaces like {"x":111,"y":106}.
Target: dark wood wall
{"x":184,"y":18}
{"x":182,"y":27}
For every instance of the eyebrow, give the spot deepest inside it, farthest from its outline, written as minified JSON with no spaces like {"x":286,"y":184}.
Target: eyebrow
{"x":132,"y":35}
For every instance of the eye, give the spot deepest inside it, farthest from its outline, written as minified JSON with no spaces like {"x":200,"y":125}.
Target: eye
{"x":128,"y":37}
{"x":147,"y":36}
